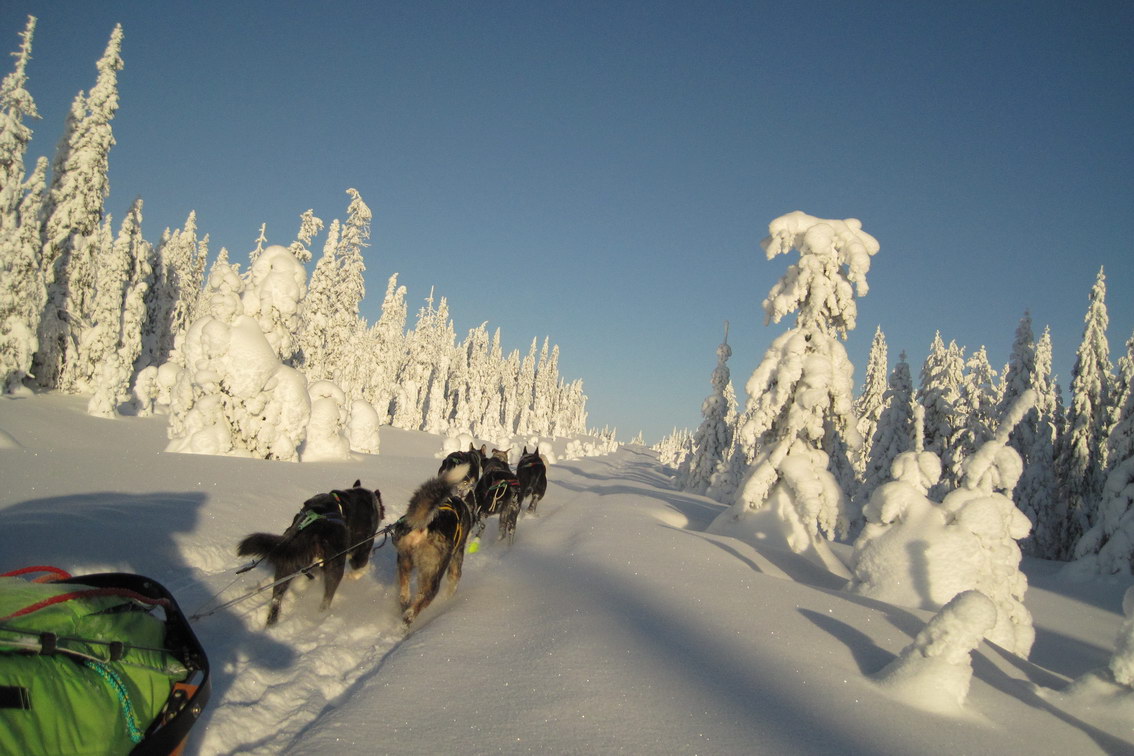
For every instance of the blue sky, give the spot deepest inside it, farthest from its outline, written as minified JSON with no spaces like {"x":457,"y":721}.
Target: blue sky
{"x":602,"y":172}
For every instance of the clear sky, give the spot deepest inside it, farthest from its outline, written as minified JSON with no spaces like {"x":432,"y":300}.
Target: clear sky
{"x":603,"y":172}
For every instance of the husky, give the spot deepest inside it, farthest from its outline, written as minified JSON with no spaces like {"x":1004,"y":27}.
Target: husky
{"x":431,"y":539}
{"x":498,"y":460}
{"x":498,"y":492}
{"x":329,"y":529}
{"x":462,"y":469}
{"x":532,"y":473}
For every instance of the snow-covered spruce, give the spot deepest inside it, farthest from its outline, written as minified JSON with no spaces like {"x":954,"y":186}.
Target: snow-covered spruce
{"x":799,"y":416}
{"x":714,"y":436}
{"x":934,"y":672}
{"x":915,"y":552}
{"x":230,"y":393}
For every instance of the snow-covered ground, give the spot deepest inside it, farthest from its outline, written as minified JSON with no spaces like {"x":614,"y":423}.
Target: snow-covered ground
{"x":614,"y":623}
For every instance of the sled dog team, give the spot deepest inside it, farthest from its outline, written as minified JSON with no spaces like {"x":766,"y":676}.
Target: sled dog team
{"x":333,"y":528}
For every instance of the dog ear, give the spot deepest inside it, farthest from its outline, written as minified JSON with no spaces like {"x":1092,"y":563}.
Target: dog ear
{"x":358,"y":483}
{"x":471,"y":447}
{"x":524,"y":453}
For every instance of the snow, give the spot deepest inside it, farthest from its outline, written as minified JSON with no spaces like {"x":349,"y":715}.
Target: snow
{"x":615,"y":621}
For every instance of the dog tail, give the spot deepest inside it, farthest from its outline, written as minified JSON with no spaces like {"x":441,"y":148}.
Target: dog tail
{"x":456,"y":474}
{"x":425,"y":502}
{"x":259,"y":544}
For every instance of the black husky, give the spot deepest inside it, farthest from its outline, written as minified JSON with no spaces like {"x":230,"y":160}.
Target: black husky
{"x":498,"y":492}
{"x":533,"y":478}
{"x":329,"y":528}
{"x":461,"y":469}
{"x":431,"y":539}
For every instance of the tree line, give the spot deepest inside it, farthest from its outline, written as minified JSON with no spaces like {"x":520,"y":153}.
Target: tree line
{"x":89,"y":309}
{"x":1073,"y":473}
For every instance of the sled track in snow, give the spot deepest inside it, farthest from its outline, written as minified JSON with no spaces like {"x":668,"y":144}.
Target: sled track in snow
{"x":284,"y":680}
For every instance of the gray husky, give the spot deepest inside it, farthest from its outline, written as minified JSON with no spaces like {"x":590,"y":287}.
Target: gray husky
{"x":430,"y":539}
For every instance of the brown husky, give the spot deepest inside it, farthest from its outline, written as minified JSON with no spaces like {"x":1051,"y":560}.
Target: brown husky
{"x":431,"y":539}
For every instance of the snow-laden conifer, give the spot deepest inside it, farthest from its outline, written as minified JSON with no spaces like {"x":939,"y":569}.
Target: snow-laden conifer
{"x":230,"y":393}
{"x":74,"y":212}
{"x":309,"y":228}
{"x":801,"y":394}
{"x":1107,"y":547}
{"x":714,"y":436}
{"x":934,"y":672}
{"x":388,"y":345}
{"x":172,"y":301}
{"x":894,"y":433}
{"x":869,"y":404}
{"x":344,"y":358}
{"x":939,"y":393}
{"x":1029,"y":368}
{"x":16,"y":105}
{"x":977,"y":412}
{"x":915,"y":552}
{"x":317,"y":312}
{"x":276,"y":287}
{"x":1081,"y":465}
{"x":327,"y":436}
{"x":109,"y":344}
{"x":22,"y":292}
{"x":422,"y":393}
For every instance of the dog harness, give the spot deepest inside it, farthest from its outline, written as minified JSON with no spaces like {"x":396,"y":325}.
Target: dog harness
{"x":310,"y":515}
{"x":496,"y":492}
{"x":447,"y":507}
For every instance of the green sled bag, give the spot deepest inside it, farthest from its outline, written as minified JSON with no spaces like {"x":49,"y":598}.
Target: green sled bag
{"x":96,"y":665}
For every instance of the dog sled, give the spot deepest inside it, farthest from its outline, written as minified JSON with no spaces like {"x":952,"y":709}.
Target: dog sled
{"x":99,"y":664}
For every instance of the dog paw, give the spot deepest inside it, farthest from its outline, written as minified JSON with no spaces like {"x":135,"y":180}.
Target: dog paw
{"x":356,"y":574}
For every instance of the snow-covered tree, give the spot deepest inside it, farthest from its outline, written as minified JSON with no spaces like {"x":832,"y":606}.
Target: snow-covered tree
{"x":73,"y":211}
{"x":1107,"y":547}
{"x":422,"y":398}
{"x":16,"y":105}
{"x":894,"y":433}
{"x":674,"y":448}
{"x":362,"y":427}
{"x":318,"y":312}
{"x":934,"y":672}
{"x":261,"y":242}
{"x":977,"y":411}
{"x":1029,"y":368}
{"x":1081,"y":465}
{"x":327,"y":429}
{"x":277,"y":285}
{"x":309,"y":228}
{"x":869,"y":404}
{"x":939,"y":392}
{"x":111,"y":342}
{"x":915,"y":552}
{"x":22,"y":293}
{"x":230,"y":392}
{"x":173,"y":300}
{"x":387,"y":343}
{"x":714,"y":436}
{"x":801,"y":394}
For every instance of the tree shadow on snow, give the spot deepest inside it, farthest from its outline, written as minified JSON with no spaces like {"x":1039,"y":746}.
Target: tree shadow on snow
{"x":988,"y":672}
{"x":697,"y":511}
{"x":135,"y":533}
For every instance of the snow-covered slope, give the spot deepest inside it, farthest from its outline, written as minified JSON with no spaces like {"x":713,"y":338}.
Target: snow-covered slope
{"x":613,"y":623}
